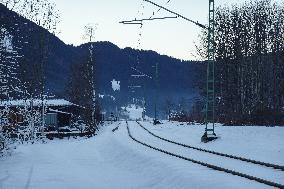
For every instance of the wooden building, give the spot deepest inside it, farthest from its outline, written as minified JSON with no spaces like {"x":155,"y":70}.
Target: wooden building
{"x":58,"y":112}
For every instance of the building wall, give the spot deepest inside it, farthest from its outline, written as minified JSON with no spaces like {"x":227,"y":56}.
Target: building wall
{"x":51,"y":119}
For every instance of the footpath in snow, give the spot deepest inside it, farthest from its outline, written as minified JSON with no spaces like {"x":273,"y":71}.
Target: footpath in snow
{"x":113,"y":160}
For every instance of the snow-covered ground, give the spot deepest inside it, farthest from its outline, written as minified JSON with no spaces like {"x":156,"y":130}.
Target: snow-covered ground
{"x":113,"y":160}
{"x":133,"y":112}
{"x":255,"y":142}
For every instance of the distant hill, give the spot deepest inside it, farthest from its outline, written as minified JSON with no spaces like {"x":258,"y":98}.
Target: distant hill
{"x":176,"y":77}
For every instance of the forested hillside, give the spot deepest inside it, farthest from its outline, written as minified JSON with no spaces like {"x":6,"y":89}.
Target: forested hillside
{"x":176,"y":77}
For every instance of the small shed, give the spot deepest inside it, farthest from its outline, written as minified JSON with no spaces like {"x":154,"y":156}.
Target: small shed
{"x":57,"y":118}
{"x":58,"y":112}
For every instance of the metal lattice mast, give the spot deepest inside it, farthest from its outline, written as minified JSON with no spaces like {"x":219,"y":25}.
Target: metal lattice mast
{"x":210,"y":101}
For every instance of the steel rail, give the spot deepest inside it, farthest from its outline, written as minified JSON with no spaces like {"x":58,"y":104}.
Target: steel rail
{"x":214,"y":167}
{"x":280,"y":167}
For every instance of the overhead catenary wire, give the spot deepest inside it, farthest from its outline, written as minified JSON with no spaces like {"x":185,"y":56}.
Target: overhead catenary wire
{"x":177,"y":14}
{"x":210,"y":101}
{"x":145,"y":19}
{"x":159,"y":9}
{"x":134,"y":81}
{"x":140,"y":21}
{"x":141,"y":72}
{"x":166,"y":9}
{"x":133,"y":78}
{"x":140,"y":31}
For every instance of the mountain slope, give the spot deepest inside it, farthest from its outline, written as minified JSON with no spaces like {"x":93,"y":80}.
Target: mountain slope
{"x":175,"y":76}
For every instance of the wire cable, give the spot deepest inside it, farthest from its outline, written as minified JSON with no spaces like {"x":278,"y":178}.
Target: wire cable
{"x":154,"y":13}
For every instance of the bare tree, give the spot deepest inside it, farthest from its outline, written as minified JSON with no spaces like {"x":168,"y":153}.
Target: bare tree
{"x":90,"y":36}
{"x":41,"y":12}
{"x":249,"y":69}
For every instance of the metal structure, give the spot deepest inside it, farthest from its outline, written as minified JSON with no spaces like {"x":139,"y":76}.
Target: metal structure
{"x":156,"y":121}
{"x":135,"y":21}
{"x":136,"y":88}
{"x":210,"y":100}
{"x":137,"y":77}
{"x":177,"y":14}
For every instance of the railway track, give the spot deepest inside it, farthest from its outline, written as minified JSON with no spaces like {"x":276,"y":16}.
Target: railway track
{"x":211,"y":166}
{"x":214,"y":152}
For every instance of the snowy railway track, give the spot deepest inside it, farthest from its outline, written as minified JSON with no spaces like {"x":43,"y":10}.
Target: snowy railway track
{"x":280,"y":167}
{"x":209,"y":165}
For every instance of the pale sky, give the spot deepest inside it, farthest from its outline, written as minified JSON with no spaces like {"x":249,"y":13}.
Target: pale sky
{"x":173,"y":37}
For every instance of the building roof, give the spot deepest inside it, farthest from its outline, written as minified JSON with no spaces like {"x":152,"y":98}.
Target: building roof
{"x":58,"y":111}
{"x":36,"y":102}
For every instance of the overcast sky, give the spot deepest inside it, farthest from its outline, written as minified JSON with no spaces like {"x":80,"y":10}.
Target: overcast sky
{"x":173,"y":37}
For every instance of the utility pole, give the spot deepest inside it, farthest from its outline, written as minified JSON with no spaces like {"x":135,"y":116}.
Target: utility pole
{"x":138,"y":85}
{"x":92,"y":79}
{"x":144,"y":103}
{"x":156,"y":93}
{"x":43,"y":113}
{"x":210,"y":100}
{"x":32,"y":119}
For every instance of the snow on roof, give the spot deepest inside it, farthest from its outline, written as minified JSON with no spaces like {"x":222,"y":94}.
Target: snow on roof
{"x":36,"y":102}
{"x":58,"y":111}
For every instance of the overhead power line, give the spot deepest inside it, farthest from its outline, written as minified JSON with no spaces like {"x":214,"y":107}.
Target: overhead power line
{"x":135,"y":21}
{"x":140,"y":72}
{"x":159,"y":9}
{"x":177,"y":14}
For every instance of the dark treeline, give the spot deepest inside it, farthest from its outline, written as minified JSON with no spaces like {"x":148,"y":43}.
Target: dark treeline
{"x":249,"y":63}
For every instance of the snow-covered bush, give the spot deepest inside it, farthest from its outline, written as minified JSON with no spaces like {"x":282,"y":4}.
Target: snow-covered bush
{"x":80,"y":125}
